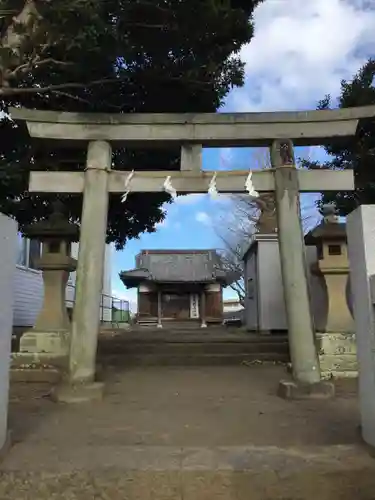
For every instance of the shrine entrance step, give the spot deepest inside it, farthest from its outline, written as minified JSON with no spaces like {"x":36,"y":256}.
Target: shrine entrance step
{"x":215,"y":346}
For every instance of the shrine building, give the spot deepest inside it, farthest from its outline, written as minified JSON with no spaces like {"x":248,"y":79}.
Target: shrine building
{"x":178,"y":286}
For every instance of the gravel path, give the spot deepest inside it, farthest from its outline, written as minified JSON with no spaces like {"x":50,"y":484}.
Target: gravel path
{"x":187,"y":433}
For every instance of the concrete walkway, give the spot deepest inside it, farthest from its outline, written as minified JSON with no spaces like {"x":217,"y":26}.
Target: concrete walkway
{"x":187,"y":433}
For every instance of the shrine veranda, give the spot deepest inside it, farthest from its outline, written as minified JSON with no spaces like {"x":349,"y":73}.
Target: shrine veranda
{"x":192,"y":132}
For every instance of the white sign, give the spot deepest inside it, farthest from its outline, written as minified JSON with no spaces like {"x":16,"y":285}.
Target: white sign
{"x":194,"y":305}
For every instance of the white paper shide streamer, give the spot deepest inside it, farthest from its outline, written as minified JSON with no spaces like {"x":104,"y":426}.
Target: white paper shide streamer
{"x":250,"y":187}
{"x":127,"y":182}
{"x":212,"y":188}
{"x":169,"y":188}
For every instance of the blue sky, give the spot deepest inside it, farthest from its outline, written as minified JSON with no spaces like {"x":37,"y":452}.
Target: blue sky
{"x":300,"y":52}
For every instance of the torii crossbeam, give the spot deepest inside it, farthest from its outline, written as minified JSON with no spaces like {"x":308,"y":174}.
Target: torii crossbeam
{"x":310,"y":181}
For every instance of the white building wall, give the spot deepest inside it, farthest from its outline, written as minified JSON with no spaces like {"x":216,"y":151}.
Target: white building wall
{"x":74,"y":254}
{"x":270,"y":293}
{"x":232,"y":306}
{"x":263,"y":266}
{"x":28,"y":291}
{"x":28,"y":295}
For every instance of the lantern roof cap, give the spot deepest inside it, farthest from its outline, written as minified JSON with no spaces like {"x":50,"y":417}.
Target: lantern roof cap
{"x":56,"y":226}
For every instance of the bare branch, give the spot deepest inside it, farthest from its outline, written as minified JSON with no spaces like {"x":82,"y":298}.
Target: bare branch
{"x":246,"y":217}
{"x":240,"y":291}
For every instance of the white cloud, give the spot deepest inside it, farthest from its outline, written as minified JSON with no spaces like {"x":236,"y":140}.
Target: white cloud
{"x":194,"y":198}
{"x":301,"y":50}
{"x":190,"y":199}
{"x":226,"y":158}
{"x":222,"y":199}
{"x":203,"y":218}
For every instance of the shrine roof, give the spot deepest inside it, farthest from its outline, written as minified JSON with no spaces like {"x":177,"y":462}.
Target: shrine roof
{"x":176,"y":266}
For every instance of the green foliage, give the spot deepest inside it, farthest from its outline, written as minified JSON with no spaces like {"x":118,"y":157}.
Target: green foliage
{"x":117,"y":56}
{"x":357,"y":152}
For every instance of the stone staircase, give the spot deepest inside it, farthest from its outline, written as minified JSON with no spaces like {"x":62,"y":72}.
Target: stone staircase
{"x":190,"y":347}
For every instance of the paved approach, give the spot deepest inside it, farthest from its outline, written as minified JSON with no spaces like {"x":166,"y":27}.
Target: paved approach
{"x":187,"y":433}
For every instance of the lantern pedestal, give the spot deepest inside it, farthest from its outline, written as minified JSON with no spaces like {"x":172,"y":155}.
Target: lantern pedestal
{"x":52,"y":328}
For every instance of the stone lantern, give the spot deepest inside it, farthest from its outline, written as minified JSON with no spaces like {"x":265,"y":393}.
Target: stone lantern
{"x":330,"y":239}
{"x":338,"y":350}
{"x":50,"y":333}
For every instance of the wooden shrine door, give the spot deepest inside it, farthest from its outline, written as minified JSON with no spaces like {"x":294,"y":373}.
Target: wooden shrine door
{"x":176,"y":305}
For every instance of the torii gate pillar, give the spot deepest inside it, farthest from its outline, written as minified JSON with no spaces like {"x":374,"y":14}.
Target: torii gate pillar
{"x":89,"y":284}
{"x":301,"y":332}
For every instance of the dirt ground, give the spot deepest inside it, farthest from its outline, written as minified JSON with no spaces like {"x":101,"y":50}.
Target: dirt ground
{"x":187,"y":433}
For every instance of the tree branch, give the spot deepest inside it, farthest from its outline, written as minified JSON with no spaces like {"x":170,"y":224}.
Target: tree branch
{"x":81,"y":99}
{"x":11,"y":91}
{"x":24,"y":68}
{"x":153,"y":26}
{"x":239,"y":289}
{"x":70,"y":96}
{"x":5,"y":91}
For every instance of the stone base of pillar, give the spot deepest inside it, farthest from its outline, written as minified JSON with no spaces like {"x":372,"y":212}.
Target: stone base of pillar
{"x":337,"y":355}
{"x":79,"y":393}
{"x":52,"y":342}
{"x":289,"y":389}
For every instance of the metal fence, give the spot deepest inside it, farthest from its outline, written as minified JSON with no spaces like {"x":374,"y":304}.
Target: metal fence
{"x":112,"y":309}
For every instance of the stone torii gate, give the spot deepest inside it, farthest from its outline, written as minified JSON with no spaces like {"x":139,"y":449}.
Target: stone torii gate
{"x":192,"y":132}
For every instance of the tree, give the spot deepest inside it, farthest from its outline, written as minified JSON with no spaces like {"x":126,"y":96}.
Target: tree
{"x":236,"y":228}
{"x":356,"y":152}
{"x":246,"y":217}
{"x":111,"y":56}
